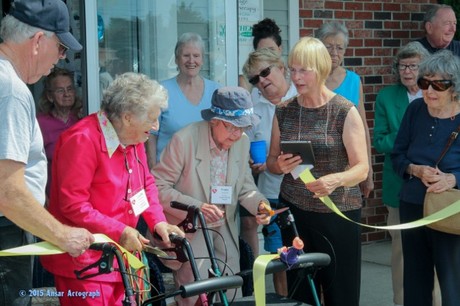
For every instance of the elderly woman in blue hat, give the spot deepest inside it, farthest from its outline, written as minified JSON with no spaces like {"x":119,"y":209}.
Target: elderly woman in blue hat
{"x":206,"y":165}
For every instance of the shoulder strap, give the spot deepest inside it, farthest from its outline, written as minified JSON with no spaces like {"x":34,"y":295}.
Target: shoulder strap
{"x":452,"y":138}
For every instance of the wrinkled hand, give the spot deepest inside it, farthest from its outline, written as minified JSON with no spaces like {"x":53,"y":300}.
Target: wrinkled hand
{"x":76,"y":240}
{"x":440,"y":181}
{"x":263,"y":213}
{"x":163,"y":229}
{"x":287,"y":162}
{"x":257,"y":168}
{"x":211,"y":212}
{"x":132,"y":240}
{"x":324,"y":185}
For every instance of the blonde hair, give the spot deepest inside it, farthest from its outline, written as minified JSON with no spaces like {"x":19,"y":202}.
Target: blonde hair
{"x":311,"y":54}
{"x":259,"y":56}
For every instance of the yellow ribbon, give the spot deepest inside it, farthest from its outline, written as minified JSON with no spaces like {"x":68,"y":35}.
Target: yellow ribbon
{"x":448,"y":211}
{"x":46,"y":248}
{"x":258,"y":276}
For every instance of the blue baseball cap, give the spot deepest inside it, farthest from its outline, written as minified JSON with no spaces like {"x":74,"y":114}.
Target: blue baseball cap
{"x":50,"y":15}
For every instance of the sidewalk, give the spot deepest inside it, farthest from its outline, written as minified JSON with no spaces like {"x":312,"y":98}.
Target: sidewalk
{"x":376,"y":287}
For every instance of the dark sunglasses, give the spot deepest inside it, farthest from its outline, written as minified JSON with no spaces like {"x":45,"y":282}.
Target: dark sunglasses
{"x":264,"y":73}
{"x":438,"y":85}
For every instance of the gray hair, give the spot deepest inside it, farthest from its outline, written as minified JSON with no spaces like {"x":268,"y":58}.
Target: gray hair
{"x":14,"y":30}
{"x":444,"y":63}
{"x":433,"y":10}
{"x":135,"y":93}
{"x":332,"y":28}
{"x":262,"y":55}
{"x":412,"y":49}
{"x":188,"y":38}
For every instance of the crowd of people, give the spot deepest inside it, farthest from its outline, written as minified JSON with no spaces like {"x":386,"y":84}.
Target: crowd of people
{"x":188,"y":138}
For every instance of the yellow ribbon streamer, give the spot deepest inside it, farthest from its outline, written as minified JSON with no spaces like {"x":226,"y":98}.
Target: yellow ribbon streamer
{"x":448,"y":211}
{"x":258,"y":276}
{"x":46,"y":248}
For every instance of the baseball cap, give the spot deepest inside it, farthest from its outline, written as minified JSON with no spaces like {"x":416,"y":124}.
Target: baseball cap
{"x":50,"y":15}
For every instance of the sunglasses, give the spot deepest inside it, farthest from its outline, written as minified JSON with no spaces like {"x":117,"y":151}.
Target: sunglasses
{"x":264,"y":73}
{"x":438,"y":85}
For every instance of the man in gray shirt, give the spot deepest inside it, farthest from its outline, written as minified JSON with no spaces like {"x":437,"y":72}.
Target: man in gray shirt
{"x":36,"y":35}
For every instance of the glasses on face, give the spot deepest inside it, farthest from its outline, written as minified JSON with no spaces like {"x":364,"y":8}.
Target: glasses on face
{"x":264,"y":73}
{"x":62,"y":91}
{"x":338,"y":48}
{"x":231,"y":129}
{"x":402,"y":67}
{"x":61,"y":47}
{"x":438,"y":85}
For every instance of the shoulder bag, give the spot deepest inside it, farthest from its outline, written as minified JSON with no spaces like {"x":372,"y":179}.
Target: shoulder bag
{"x":437,"y":201}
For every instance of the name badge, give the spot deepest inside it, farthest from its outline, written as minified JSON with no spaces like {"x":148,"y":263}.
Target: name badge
{"x":139,"y":202}
{"x":221,"y":195}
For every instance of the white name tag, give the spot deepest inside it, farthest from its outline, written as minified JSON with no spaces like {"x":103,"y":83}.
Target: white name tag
{"x":221,"y":195}
{"x":139,"y":202}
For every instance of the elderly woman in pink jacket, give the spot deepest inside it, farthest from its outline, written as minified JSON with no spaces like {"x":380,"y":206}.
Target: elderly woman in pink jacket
{"x":102,"y":183}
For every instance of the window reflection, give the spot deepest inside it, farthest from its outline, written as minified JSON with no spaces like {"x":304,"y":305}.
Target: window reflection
{"x":140,"y":36}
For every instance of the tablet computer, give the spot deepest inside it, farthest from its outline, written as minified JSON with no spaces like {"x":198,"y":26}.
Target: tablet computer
{"x":302,"y":148}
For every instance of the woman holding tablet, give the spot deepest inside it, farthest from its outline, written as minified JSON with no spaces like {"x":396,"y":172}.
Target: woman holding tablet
{"x":336,"y":131}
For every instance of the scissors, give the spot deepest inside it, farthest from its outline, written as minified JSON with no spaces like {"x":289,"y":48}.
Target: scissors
{"x":156,"y":251}
{"x":272,"y":212}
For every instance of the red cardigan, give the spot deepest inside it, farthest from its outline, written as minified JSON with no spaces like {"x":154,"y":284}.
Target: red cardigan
{"x":89,"y":190}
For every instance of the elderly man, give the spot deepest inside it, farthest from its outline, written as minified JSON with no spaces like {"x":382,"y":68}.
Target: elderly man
{"x":206,"y":165}
{"x":36,"y":35}
{"x":440,"y":25}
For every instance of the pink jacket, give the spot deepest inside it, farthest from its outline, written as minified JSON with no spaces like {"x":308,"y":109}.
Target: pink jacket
{"x":90,"y":187}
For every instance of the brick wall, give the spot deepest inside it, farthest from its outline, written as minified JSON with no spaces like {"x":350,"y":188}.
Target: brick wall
{"x":377,"y":29}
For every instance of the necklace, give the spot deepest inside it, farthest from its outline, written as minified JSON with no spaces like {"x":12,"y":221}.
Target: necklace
{"x":300,"y":120}
{"x":453,"y":115}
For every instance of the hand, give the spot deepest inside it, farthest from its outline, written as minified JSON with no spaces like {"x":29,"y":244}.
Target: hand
{"x":76,"y":240}
{"x":132,"y":240}
{"x":424,"y":173}
{"x":257,"y":168}
{"x":287,"y":162}
{"x":324,"y":185}
{"x":211,"y":212}
{"x":263,"y":213}
{"x":163,"y":229}
{"x":441,"y":182}
{"x":367,"y":185}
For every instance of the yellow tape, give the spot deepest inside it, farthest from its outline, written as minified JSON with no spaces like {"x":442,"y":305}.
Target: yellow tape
{"x":258,"y":275}
{"x":448,"y":211}
{"x":46,"y":248}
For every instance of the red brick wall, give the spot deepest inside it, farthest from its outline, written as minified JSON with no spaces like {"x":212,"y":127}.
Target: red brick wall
{"x":377,"y":29}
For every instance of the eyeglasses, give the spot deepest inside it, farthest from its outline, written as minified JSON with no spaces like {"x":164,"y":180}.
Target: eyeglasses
{"x":402,"y":67}
{"x":338,"y":48}
{"x":62,"y":49}
{"x":438,"y":85}
{"x":264,"y":73}
{"x":231,"y":129}
{"x":61,"y":91}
